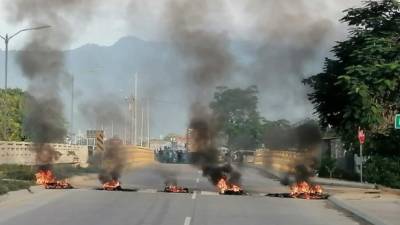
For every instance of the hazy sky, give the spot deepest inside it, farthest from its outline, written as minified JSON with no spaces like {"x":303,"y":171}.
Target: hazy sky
{"x":285,"y":29}
{"x":144,"y":19}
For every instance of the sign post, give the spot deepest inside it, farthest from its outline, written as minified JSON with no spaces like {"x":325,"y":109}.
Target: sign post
{"x":397,"y":121}
{"x":361,"y":139}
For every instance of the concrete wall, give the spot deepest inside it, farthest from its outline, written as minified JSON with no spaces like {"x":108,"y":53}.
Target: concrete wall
{"x":21,"y":153}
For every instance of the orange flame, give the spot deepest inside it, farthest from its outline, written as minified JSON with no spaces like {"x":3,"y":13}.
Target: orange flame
{"x":305,"y":190}
{"x":49,"y":181}
{"x":44,"y":176}
{"x":176,"y":189}
{"x":112,"y":185}
{"x":223,"y":186}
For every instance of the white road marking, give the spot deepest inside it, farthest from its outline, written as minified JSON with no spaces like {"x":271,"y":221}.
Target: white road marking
{"x":187,"y":221}
{"x":194,"y":195}
{"x":147,"y":191}
{"x":208,"y":193}
{"x":197,"y":180}
{"x":199,"y":171}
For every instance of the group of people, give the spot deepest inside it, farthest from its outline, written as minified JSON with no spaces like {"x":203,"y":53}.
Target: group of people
{"x":169,"y":155}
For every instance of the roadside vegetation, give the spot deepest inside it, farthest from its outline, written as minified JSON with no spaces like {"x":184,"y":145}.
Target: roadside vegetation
{"x":17,"y":177}
{"x":360,"y":88}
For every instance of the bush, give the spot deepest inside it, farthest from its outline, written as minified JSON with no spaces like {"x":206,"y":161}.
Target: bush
{"x":328,"y":167}
{"x":383,"y":170}
{"x":3,"y":189}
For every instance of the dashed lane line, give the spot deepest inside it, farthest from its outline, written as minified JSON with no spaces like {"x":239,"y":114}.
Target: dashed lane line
{"x":187,"y":220}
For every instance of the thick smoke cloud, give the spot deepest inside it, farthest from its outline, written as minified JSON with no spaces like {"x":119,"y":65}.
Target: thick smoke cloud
{"x":205,"y":52}
{"x":208,"y":61}
{"x":290,"y":36}
{"x":42,"y":63}
{"x":113,"y":161}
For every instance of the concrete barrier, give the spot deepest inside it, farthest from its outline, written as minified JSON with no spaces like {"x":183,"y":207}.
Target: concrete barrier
{"x":22,"y":153}
{"x":139,"y":156}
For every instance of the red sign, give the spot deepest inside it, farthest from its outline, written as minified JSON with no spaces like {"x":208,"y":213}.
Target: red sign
{"x":361,"y":136}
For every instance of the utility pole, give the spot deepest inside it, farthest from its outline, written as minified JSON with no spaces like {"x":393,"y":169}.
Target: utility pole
{"x":361,"y":163}
{"x":142,"y":126}
{"x":148,"y":122}
{"x":135,"y":114}
{"x":130,"y":111}
{"x":124,"y":134}
{"x":72,"y":105}
{"x":112,"y":128}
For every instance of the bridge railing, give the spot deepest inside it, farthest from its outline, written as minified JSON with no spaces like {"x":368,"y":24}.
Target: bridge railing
{"x":139,"y":156}
{"x":12,"y":152}
{"x":279,"y":160}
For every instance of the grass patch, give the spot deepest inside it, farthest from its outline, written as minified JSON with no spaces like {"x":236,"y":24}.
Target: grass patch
{"x":13,"y":185}
{"x":17,"y":172}
{"x":15,"y":177}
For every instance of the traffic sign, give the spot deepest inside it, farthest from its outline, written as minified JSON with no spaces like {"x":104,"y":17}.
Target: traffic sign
{"x":361,"y":136}
{"x":397,"y":122}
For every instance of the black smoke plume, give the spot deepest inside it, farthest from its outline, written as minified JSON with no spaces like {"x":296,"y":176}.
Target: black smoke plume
{"x":306,"y":138}
{"x":208,"y":61}
{"x":113,"y":161}
{"x":42,"y":63}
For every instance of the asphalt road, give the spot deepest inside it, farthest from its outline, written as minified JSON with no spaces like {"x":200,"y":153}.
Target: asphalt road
{"x":147,"y":206}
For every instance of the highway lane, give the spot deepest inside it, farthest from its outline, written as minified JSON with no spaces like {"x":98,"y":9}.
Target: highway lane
{"x":149,"y":207}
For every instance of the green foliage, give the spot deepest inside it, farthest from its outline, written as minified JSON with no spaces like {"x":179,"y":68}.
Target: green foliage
{"x":15,"y":177}
{"x":11,"y":114}
{"x":13,"y":185}
{"x":327,"y":167}
{"x":17,"y":172}
{"x":360,"y":87}
{"x":237,"y":115}
{"x":383,"y":170}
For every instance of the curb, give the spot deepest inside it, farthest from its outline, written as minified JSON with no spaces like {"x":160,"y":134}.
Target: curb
{"x":345,"y":184}
{"x":357,"y":213}
{"x":317,"y":180}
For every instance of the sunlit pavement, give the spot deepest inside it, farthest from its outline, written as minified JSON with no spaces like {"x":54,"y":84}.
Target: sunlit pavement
{"x":149,"y":206}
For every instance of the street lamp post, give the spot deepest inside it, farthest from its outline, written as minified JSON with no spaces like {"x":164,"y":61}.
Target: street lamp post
{"x":6,"y":41}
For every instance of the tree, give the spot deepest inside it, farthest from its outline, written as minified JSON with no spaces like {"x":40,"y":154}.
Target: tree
{"x":237,"y":116}
{"x":360,"y":87}
{"x":11,"y":114}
